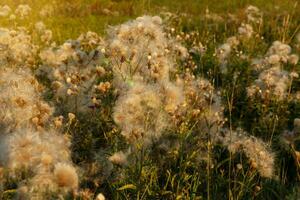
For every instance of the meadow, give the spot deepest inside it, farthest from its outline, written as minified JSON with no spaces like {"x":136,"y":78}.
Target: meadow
{"x":149,"y":99}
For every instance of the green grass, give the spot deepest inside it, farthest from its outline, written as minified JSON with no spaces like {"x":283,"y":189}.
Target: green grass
{"x":73,"y":17}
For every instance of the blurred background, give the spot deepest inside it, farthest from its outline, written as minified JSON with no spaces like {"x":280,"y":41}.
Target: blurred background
{"x":68,"y":18}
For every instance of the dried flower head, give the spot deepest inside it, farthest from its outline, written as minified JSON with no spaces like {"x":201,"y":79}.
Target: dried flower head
{"x":119,"y":158}
{"x":65,"y":176}
{"x":100,"y":196}
{"x":258,"y":152}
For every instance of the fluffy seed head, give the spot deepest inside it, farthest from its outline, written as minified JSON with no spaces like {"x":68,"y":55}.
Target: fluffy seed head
{"x":65,"y":176}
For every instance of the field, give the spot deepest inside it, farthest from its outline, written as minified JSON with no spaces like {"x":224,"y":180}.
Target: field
{"x":149,"y":99}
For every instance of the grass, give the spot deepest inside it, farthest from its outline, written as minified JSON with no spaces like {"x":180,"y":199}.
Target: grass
{"x":73,"y":17}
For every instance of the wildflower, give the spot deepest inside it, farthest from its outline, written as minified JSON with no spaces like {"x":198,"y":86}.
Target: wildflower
{"x":256,"y":150}
{"x":239,"y":166}
{"x":100,"y":196}
{"x":46,"y":159}
{"x":71,"y":116}
{"x":23,"y":10}
{"x":100,"y":70}
{"x":273,"y":81}
{"x":139,"y":115}
{"x":253,"y":14}
{"x":124,"y":45}
{"x":118,"y":158}
{"x":58,"y":121}
{"x":35,"y":120}
{"x":103,"y":86}
{"x":73,"y":72}
{"x":40,"y":27}
{"x":65,"y":176}
{"x":201,"y":101}
{"x":233,"y":41}
{"x":21,"y":94}
{"x":294,"y":74}
{"x":280,"y":49}
{"x":46,"y":11}
{"x":70,"y":92}
{"x":223,"y":53}
{"x":258,"y":63}
{"x":173,"y":97}
{"x":293,"y":59}
{"x":274,"y":59}
{"x":4,"y":10}
{"x":47,"y":36}
{"x":245,"y":30}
